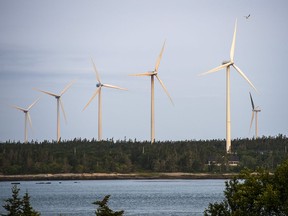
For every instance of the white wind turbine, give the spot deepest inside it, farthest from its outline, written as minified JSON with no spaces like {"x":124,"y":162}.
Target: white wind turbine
{"x":226,"y":65}
{"x":99,"y":86}
{"x":27,"y":118}
{"x":59,"y":103}
{"x":254,"y":110}
{"x":153,"y":74}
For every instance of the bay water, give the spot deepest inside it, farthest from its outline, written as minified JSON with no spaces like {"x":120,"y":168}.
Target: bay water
{"x":135,"y":197}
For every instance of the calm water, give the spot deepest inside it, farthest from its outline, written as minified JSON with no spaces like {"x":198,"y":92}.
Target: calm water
{"x":135,"y":197}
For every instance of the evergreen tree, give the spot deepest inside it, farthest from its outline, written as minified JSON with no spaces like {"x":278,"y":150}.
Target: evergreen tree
{"x":13,"y":205}
{"x":16,"y":206}
{"x":104,"y":210}
{"x":27,"y":209}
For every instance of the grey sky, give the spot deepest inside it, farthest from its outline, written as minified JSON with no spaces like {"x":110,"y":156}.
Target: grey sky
{"x":46,"y":44}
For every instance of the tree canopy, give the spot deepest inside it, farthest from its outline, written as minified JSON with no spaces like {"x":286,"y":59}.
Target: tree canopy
{"x":126,"y":156}
{"x":254,"y":193}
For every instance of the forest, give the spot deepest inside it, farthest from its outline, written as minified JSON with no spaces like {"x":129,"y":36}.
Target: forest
{"x":128,"y":156}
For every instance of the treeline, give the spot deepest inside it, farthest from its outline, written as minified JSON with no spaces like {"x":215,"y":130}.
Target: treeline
{"x":126,"y":156}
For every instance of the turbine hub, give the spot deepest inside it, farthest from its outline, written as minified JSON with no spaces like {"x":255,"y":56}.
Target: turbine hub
{"x":99,"y":85}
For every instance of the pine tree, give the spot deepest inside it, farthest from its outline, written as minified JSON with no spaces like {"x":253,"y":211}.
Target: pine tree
{"x":104,"y":210}
{"x":13,"y":205}
{"x":16,"y":206}
{"x":26,"y":206}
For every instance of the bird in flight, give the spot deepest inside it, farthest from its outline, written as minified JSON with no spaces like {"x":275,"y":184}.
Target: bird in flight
{"x":247,"y":17}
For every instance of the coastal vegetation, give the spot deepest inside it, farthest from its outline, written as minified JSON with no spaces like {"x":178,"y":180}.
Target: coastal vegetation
{"x":254,"y":193}
{"x":128,"y":156}
{"x":15,"y":206}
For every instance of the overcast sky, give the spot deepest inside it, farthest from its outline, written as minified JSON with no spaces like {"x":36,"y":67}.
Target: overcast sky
{"x":47,"y":44}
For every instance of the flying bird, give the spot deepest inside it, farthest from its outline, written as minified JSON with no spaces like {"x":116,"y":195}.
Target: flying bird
{"x":247,"y":17}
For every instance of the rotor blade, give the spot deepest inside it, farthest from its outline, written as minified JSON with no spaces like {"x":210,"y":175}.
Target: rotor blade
{"x":233,"y":43}
{"x":62,"y":107}
{"x":29,"y":119}
{"x":244,"y":76}
{"x":115,"y":87}
{"x":93,"y":96}
{"x":19,"y":108}
{"x":143,"y":74}
{"x":159,"y":57}
{"x":33,"y":104}
{"x":251,"y":120}
{"x":67,"y":87}
{"x":163,"y":86}
{"x":46,"y":92}
{"x":215,"y":69}
{"x":97,"y":74}
{"x":252,"y":103}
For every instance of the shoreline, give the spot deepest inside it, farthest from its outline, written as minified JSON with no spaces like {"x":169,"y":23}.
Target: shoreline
{"x":115,"y":176}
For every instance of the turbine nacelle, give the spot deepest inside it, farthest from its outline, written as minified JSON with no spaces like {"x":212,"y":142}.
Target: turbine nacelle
{"x":257,"y":109}
{"x":99,"y":85}
{"x":227,"y":62}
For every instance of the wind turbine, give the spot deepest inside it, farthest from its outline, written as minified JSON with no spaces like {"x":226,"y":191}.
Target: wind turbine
{"x":226,"y":65}
{"x":59,"y":103}
{"x":27,"y":118}
{"x":254,"y":110}
{"x":153,"y":74}
{"x":99,"y":86}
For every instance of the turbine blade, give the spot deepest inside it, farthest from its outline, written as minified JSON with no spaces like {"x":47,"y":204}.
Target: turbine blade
{"x":93,"y":96}
{"x":67,"y":87}
{"x":19,"y":108}
{"x":215,"y":69}
{"x":46,"y":92}
{"x":29,"y":119}
{"x":252,"y":103}
{"x":244,"y":76}
{"x":233,"y":43}
{"x":159,"y":58}
{"x":165,"y":89}
{"x":115,"y":87}
{"x":143,"y":74}
{"x":33,"y":104}
{"x":95,"y":69}
{"x":62,"y":107}
{"x":251,"y":120}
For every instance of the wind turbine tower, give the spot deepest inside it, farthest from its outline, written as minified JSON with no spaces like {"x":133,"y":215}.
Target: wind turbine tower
{"x":226,"y":65}
{"x":27,"y":118}
{"x":153,"y":74}
{"x":59,"y":103}
{"x":99,"y":86}
{"x":254,"y":110}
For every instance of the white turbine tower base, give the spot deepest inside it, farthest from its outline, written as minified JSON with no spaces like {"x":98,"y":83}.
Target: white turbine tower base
{"x":153,"y":74}
{"x":27,"y":118}
{"x":254,"y":110}
{"x":227,"y":64}
{"x":99,"y":86}
{"x":59,"y":103}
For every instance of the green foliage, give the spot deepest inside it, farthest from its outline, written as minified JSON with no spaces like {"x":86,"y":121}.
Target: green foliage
{"x":104,"y":210}
{"x":79,"y":156}
{"x":254,"y":193}
{"x":15,"y":206}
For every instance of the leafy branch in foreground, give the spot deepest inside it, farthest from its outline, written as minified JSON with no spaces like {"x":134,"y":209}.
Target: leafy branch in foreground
{"x":104,"y":210}
{"x":254,"y":193}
